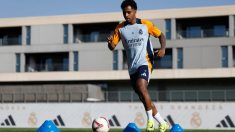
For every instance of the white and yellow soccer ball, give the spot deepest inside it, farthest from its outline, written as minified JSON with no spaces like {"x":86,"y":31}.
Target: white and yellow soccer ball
{"x":100,"y":124}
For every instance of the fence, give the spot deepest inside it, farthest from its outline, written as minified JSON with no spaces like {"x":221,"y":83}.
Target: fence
{"x":122,"y":96}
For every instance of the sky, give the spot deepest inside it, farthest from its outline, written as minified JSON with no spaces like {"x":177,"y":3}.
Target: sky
{"x":30,"y":8}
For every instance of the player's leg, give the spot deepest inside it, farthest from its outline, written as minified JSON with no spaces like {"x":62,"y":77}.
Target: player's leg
{"x":141,"y":88}
{"x":154,"y":111}
{"x":150,"y":108}
{"x":163,"y":125}
{"x":140,"y":82}
{"x":142,"y":91}
{"x":156,"y":114}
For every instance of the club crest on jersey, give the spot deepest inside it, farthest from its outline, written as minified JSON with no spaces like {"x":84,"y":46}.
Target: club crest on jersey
{"x":140,"y":31}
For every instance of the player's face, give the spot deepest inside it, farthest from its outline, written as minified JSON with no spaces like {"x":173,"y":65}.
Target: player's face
{"x":129,"y":14}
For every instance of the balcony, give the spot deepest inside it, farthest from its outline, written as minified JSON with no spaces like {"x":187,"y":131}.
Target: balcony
{"x":10,"y":36}
{"x":94,"y":32}
{"x":201,"y":33}
{"x":46,"y":68}
{"x":163,"y":63}
{"x":45,"y":62}
{"x":203,"y":27}
{"x":4,"y":41}
{"x":93,"y":37}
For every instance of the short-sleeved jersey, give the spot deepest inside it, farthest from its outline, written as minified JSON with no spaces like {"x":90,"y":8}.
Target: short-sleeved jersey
{"x":136,"y":42}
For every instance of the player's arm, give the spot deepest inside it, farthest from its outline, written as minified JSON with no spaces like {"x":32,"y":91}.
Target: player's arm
{"x":161,"y":52}
{"x":154,"y":31}
{"x":114,"y":38}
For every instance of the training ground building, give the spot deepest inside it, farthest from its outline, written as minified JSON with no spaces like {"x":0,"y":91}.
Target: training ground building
{"x":59,"y":68}
{"x":66,"y":58}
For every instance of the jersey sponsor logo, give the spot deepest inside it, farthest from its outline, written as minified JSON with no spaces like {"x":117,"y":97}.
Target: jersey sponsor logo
{"x":134,"y":42}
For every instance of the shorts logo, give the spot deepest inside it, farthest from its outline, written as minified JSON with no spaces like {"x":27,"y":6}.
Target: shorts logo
{"x":143,"y":74}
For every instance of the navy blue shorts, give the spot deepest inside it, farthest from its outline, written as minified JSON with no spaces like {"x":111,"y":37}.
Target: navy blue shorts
{"x":142,"y":72}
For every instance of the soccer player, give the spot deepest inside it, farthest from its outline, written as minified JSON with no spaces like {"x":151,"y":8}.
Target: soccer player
{"x":135,"y":35}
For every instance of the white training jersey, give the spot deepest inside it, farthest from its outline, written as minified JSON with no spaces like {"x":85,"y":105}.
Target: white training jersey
{"x":136,"y":41}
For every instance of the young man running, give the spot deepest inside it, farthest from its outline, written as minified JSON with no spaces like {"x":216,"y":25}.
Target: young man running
{"x":135,"y":35}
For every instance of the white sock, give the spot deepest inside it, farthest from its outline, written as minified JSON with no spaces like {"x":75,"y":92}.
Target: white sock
{"x":159,"y":118}
{"x":149,"y":114}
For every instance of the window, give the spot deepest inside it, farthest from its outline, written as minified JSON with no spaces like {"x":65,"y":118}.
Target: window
{"x":17,"y":62}
{"x":164,"y":62}
{"x":115,"y":60}
{"x":202,"y":27}
{"x":168,"y":28}
{"x":234,"y":25}
{"x":219,"y":30}
{"x":66,"y":33}
{"x":179,"y":58}
{"x":10,"y":36}
{"x":75,"y":62}
{"x":49,"y":64}
{"x":92,"y":32}
{"x":233,"y":56}
{"x":124,"y":58}
{"x":28,"y":35}
{"x":43,"y":62}
{"x":224,"y":56}
{"x":94,"y":37}
{"x":65,"y":64}
{"x":193,"y":32}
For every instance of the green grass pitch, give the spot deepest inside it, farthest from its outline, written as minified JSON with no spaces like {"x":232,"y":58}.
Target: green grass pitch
{"x":89,"y":130}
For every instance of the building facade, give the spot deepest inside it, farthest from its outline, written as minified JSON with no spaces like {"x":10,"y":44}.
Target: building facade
{"x":60,"y":51}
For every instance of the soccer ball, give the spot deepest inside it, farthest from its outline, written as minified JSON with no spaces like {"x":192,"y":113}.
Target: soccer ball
{"x":100,"y":124}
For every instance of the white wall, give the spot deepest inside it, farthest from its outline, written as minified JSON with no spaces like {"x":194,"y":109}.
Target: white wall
{"x":202,"y":57}
{"x":8,"y":62}
{"x":204,"y":115}
{"x":47,"y":34}
{"x":93,"y":57}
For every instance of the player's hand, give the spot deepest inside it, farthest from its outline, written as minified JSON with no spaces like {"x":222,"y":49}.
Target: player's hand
{"x":110,"y":39}
{"x":110,"y":42}
{"x":160,"y":52}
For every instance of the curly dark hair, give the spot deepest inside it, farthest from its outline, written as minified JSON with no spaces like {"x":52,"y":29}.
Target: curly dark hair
{"x":131,"y":3}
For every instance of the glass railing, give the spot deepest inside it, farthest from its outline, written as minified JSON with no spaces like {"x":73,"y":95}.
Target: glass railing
{"x":123,"y":96}
{"x":182,"y":34}
{"x":46,"y":68}
{"x":83,"y":38}
{"x":10,"y":41}
{"x":163,"y":63}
